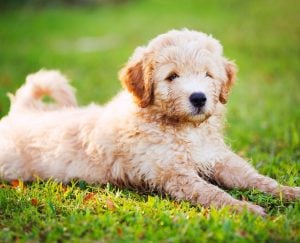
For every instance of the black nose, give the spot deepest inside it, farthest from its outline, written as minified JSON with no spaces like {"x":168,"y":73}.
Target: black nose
{"x":198,"y":99}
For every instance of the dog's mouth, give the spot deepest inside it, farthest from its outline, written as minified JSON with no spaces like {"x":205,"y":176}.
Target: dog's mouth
{"x":199,"y":114}
{"x":197,"y":111}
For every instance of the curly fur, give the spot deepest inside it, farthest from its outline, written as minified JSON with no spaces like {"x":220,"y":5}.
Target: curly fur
{"x":149,"y":136}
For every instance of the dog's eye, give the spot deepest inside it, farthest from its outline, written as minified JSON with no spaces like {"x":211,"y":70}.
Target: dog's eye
{"x":208,"y":74}
{"x":172,"y":76}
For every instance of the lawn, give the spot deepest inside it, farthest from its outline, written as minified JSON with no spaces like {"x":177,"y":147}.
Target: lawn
{"x":90,"y":45}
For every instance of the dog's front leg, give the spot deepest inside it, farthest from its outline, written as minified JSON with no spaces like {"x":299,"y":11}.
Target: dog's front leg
{"x":235,"y":172}
{"x":191,"y":187}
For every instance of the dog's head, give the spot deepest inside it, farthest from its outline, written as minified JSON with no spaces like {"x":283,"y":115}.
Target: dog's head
{"x":180,"y":74}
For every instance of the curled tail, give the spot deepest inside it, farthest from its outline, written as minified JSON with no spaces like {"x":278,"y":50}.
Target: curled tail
{"x":44,"y":83}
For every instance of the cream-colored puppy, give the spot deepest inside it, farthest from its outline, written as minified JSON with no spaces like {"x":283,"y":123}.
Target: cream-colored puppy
{"x":164,"y":132}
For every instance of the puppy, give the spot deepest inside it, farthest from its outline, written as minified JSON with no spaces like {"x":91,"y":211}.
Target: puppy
{"x":164,"y":132}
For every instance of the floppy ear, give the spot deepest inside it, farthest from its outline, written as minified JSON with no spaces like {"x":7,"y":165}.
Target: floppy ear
{"x":231,"y":71}
{"x":136,"y":77}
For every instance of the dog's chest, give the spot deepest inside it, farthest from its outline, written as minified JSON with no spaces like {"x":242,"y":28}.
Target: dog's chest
{"x":203,"y":148}
{"x":191,"y":146}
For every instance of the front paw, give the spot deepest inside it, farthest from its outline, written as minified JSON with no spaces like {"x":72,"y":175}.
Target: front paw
{"x":290,"y":193}
{"x":253,"y":208}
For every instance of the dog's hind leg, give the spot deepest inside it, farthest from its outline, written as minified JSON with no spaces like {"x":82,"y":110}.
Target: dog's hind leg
{"x":12,"y":164}
{"x":43,"y":83}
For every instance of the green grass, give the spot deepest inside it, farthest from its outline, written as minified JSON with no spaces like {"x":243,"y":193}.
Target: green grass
{"x":90,"y":45}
